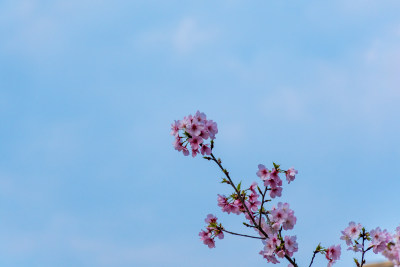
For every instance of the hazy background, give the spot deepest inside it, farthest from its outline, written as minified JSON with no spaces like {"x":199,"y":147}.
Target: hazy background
{"x":88,"y":90}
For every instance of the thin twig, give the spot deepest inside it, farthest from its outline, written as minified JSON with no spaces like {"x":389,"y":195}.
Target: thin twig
{"x":232,"y":233}
{"x":237,"y":192}
{"x":262,"y":204}
{"x":313,"y":256}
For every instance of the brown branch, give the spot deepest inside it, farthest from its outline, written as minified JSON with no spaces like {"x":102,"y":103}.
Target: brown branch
{"x":232,"y":233}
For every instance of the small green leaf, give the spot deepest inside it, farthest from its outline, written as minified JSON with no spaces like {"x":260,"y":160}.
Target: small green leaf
{"x":239,"y":185}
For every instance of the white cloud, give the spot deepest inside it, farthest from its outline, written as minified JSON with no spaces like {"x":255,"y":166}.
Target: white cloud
{"x":185,"y":37}
{"x":188,"y":35}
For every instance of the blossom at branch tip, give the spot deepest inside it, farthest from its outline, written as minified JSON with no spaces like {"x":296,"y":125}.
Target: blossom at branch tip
{"x":291,"y":174}
{"x":212,"y":231}
{"x":263,"y":172}
{"x":332,"y":254}
{"x":193,"y":131}
{"x":351,"y":233}
{"x":210,"y":219}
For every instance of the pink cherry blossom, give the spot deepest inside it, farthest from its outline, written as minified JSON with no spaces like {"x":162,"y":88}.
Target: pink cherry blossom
{"x":253,"y":197}
{"x":204,"y":133}
{"x":270,"y":258}
{"x":290,"y":221}
{"x":351,"y":232}
{"x":210,"y":219}
{"x":275,"y":174}
{"x":380,"y":239}
{"x":266,"y":228}
{"x":205,"y":150}
{"x":185,"y":122}
{"x":280,"y":253}
{"x":237,"y":207}
{"x":209,"y":242}
{"x":220,"y":235}
{"x":200,"y":117}
{"x":204,"y":234}
{"x":175,"y":128}
{"x":275,"y":192}
{"x":278,"y":216}
{"x":291,"y":245}
{"x":194,"y":128}
{"x":225,"y":205}
{"x":263,"y":172}
{"x":270,"y":244}
{"x":253,"y":205}
{"x":177,"y":144}
{"x":291,"y":174}
{"x":283,"y":216}
{"x":211,"y":128}
{"x":332,"y":254}
{"x":212,"y":231}
{"x":206,"y":238}
{"x":253,"y":187}
{"x":185,"y":151}
{"x":195,"y":142}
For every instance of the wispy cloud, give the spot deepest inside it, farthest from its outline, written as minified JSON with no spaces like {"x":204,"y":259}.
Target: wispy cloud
{"x":184,"y":37}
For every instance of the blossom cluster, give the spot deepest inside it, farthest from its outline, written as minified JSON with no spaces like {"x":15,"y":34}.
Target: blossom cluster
{"x":275,"y":244}
{"x":234,"y":205}
{"x":193,"y":130}
{"x":271,"y":222}
{"x":212,"y":230}
{"x":381,"y":241}
{"x":392,"y":250}
{"x":271,"y":178}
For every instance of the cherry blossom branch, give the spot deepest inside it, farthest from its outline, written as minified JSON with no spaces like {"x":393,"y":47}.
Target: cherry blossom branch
{"x":237,"y":192}
{"x":244,"y":204}
{"x":232,"y":233}
{"x":262,"y":204}
{"x":363,"y":251}
{"x":190,"y":136}
{"x":317,"y":250}
{"x":313,"y":257}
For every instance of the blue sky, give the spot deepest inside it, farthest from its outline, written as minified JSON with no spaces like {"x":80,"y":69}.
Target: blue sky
{"x":88,"y":90}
